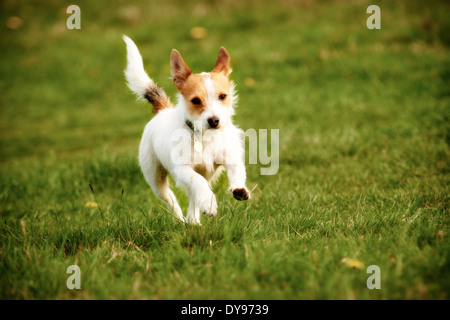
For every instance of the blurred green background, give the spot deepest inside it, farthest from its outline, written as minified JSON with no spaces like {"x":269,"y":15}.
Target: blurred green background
{"x":364,"y":151}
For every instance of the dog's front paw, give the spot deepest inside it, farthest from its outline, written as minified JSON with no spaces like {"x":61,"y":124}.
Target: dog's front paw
{"x":241,"y":194}
{"x":208,"y":205}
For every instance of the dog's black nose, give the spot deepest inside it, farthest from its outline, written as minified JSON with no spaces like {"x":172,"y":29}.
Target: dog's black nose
{"x":213,"y":122}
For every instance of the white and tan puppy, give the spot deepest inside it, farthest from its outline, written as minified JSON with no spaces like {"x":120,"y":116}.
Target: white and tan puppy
{"x":193,"y":140}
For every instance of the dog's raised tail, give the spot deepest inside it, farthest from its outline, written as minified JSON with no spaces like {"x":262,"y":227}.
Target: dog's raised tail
{"x":140,"y":83}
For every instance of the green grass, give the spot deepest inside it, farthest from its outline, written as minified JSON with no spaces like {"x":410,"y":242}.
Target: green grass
{"x":364,"y":152}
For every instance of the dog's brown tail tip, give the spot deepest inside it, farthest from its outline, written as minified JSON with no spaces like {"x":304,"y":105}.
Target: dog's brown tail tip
{"x":157,"y":97}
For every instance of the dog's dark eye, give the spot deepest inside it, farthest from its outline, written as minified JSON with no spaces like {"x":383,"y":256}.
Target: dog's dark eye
{"x":196,"y":101}
{"x":222,"y":97}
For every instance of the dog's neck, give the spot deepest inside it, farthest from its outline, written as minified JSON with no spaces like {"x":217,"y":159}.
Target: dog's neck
{"x":196,"y":136}
{"x":190,"y":125}
{"x":197,"y":133}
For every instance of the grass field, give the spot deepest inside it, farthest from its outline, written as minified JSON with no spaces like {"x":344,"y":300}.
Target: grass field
{"x":363,"y":117}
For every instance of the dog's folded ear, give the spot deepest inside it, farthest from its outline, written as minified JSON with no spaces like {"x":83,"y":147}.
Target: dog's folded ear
{"x":223,"y":63}
{"x":178,"y":68}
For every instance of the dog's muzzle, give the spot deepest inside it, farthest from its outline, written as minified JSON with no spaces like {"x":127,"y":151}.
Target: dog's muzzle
{"x":213,"y":122}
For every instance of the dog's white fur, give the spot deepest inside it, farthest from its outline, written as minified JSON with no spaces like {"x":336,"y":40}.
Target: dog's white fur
{"x":221,"y":147}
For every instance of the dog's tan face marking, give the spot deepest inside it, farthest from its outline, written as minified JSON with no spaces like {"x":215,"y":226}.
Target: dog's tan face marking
{"x":194,"y":92}
{"x":222,"y":86}
{"x":194,"y":87}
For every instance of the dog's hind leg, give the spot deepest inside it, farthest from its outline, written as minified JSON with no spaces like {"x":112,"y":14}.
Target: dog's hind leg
{"x":162,"y":190}
{"x":157,"y":177}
